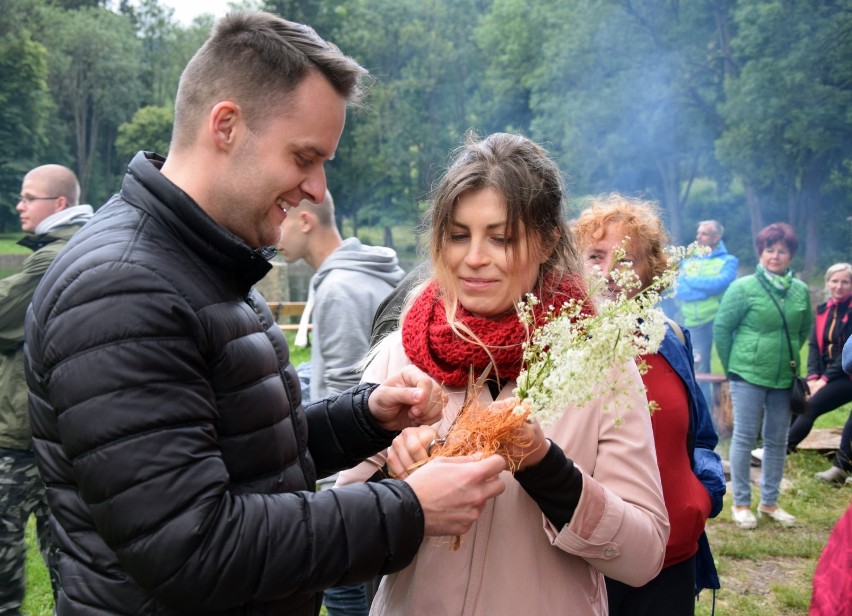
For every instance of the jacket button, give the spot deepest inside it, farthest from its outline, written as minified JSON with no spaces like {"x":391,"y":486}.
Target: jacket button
{"x":609,"y":552}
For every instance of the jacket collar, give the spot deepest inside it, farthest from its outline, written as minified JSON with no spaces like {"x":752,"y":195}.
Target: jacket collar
{"x":146,"y":188}
{"x":40,"y":240}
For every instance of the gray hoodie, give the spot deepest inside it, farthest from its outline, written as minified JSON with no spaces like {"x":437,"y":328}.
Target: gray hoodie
{"x":346,"y":291}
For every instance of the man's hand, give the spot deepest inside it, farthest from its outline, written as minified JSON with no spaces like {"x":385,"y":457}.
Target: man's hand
{"x":453,"y":491}
{"x":407,"y":398}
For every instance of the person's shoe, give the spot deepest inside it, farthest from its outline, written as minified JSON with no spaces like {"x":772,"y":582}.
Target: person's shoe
{"x":832,"y":475}
{"x":777,"y":514}
{"x":743,"y":518}
{"x":757,"y":456}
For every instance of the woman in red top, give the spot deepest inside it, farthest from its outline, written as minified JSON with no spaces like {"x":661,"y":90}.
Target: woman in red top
{"x":684,"y":438}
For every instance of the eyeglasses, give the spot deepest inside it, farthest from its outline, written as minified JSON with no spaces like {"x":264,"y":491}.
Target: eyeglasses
{"x":26,"y":199}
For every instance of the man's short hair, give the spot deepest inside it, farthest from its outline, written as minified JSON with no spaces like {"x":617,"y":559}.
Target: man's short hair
{"x":59,"y":181}
{"x":324,"y":210}
{"x":718,"y":229}
{"x":256,"y":60}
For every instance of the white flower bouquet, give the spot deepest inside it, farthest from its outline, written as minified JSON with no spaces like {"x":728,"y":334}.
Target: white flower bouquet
{"x":569,"y":356}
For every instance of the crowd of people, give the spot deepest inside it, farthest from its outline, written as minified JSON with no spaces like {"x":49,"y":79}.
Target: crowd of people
{"x":183,"y":478}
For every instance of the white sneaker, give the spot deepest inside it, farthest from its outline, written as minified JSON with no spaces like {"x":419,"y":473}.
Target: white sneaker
{"x":779,"y":515}
{"x":832,"y":475}
{"x":757,"y":456}
{"x":743,"y":518}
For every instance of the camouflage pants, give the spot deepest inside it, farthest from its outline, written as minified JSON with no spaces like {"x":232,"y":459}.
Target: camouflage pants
{"x":21,"y":495}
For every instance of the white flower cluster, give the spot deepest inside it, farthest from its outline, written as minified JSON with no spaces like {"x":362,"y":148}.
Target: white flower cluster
{"x":569,"y":358}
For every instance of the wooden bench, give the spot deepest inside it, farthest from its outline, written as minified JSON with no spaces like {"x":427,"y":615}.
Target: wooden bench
{"x":288,"y":314}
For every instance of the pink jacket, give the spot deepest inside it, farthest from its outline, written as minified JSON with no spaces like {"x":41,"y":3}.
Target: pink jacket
{"x":513,"y":560}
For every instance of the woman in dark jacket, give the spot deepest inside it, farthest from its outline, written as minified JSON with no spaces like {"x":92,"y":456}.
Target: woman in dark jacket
{"x":684,"y":438}
{"x":830,"y":386}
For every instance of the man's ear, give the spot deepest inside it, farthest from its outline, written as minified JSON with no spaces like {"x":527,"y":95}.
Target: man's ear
{"x":223,"y":124}
{"x":61,"y":204}
{"x":307,"y":220}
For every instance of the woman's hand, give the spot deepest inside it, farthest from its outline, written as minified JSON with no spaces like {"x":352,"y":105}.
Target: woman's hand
{"x":409,"y":450}
{"x":815,"y":385}
{"x":533,"y":453}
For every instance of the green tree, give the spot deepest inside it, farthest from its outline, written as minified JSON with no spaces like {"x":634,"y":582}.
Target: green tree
{"x":511,"y":35}
{"x":417,"y":110}
{"x":788,"y":127}
{"x":26,"y":104}
{"x":150,"y":129}
{"x":155,"y":28}
{"x":95,"y":78}
{"x":628,"y":96}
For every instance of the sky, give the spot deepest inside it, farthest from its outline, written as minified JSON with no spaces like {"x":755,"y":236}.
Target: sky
{"x":187,"y":10}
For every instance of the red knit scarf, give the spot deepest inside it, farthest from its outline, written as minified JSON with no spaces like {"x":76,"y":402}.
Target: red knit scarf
{"x":434,"y":347}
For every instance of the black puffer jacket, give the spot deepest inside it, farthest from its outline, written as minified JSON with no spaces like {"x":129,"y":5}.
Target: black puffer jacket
{"x":179,"y":462}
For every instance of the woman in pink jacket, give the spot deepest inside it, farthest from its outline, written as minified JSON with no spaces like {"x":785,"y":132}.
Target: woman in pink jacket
{"x":586,"y":502}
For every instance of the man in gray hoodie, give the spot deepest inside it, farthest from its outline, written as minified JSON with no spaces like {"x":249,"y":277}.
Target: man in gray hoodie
{"x":350,"y":282}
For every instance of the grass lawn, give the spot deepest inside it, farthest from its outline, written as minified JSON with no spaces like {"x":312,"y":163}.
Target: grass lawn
{"x":764,"y":572}
{"x":767,"y":571}
{"x":9,"y":244}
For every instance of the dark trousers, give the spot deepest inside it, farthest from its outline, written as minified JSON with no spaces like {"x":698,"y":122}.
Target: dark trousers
{"x":346,"y":600}
{"x":21,"y":495}
{"x":671,"y":593}
{"x":843,"y":458}
{"x":835,"y":393}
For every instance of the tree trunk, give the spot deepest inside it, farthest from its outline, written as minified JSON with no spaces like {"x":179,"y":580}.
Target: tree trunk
{"x":671,"y":197}
{"x":811,"y":202}
{"x":753,"y":204}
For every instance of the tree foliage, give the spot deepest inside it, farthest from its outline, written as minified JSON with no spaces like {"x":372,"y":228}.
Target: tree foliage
{"x":730,"y":109}
{"x":787,"y":110}
{"x":95,"y":71}
{"x":151,"y":126}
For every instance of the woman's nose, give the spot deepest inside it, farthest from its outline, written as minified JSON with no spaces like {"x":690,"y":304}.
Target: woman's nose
{"x":476,"y":256}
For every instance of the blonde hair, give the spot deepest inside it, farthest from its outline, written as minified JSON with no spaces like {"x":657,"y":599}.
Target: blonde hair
{"x":838,"y":267}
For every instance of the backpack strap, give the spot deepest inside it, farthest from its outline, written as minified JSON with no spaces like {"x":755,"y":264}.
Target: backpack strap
{"x":677,"y":330}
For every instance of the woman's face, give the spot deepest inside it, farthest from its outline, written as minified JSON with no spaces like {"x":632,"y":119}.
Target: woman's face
{"x":776,"y":258}
{"x":489,"y":278}
{"x":839,"y":285}
{"x":599,"y":256}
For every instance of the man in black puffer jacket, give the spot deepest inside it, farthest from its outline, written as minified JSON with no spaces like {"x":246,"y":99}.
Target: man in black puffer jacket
{"x":179,"y":462}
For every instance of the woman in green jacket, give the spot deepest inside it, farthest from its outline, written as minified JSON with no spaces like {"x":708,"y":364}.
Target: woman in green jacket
{"x":754,"y":342}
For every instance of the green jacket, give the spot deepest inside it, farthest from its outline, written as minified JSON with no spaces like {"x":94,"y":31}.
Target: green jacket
{"x":16,"y":292}
{"x":749,"y":335}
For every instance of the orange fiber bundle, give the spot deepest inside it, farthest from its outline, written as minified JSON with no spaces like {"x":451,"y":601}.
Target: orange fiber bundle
{"x":494,"y":429}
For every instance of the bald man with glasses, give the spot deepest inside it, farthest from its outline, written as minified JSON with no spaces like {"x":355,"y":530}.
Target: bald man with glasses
{"x":49,"y":214}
